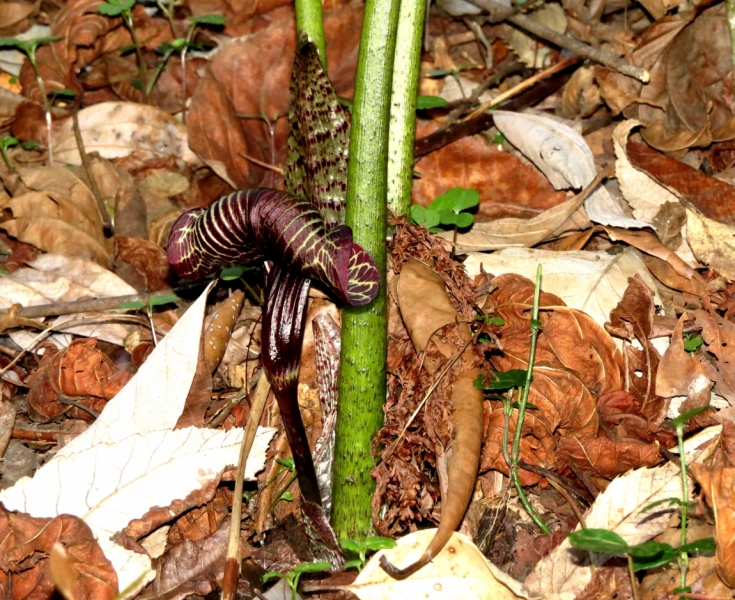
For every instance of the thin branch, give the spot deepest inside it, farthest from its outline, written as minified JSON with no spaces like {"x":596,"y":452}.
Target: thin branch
{"x":500,"y":13}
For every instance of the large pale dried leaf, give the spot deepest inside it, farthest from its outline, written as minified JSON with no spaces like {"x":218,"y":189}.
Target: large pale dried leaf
{"x":565,"y":158}
{"x":459,"y":571}
{"x":592,"y":282}
{"x":566,"y":571}
{"x":712,"y":242}
{"x":130,"y":459}
{"x":115,"y":129}
{"x":247,"y":81}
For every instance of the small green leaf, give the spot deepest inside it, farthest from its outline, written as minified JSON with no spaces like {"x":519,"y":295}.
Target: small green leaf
{"x":427,"y":102}
{"x":667,"y":501}
{"x":137,"y":84}
{"x":684,"y":417}
{"x":683,"y":590}
{"x":70,"y":94}
{"x":10,"y":42}
{"x":178,"y":44}
{"x":439,"y":73}
{"x":651,"y":562}
{"x":515,"y":378}
{"x":488,"y":320}
{"x":30,"y":145}
{"x":464,"y":220}
{"x":286,"y":497}
{"x":313,"y":567}
{"x":207,"y":20}
{"x":692,"y":343}
{"x":352,"y":545}
{"x":134,"y":305}
{"x":599,"y":540}
{"x":705,"y":546}
{"x":272,"y":575}
{"x":517,"y":404}
{"x":498,"y":138}
{"x":8,"y":142}
{"x":353,"y":564}
{"x":650,"y":548}
{"x":115,"y":8}
{"x":377,"y":542}
{"x":163,"y":299}
{"x":233,"y":272}
{"x":289,"y":464}
{"x":457,"y":199}
{"x":446,"y":217}
{"x":424,"y":217}
{"x":483,"y":338}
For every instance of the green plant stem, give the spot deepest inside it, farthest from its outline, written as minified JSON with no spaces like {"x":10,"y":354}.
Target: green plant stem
{"x":46,"y":105}
{"x":633,"y":579}
{"x":309,"y":19}
{"x":522,"y":402}
{"x":683,"y":556}
{"x":362,"y":385}
{"x":6,"y":159}
{"x":407,"y":66}
{"x":159,"y":69}
{"x":142,"y":73}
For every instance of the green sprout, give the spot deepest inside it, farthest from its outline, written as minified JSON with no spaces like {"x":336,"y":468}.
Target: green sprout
{"x":428,"y":102}
{"x":361,"y":549}
{"x":124,"y":8}
{"x":692,"y":342}
{"x":8,"y":142}
{"x":651,"y":554}
{"x":158,"y":300}
{"x":182,"y":46}
{"x":285,"y":464}
{"x":294,"y":575}
{"x":448,"y":210}
{"x":29,"y":47}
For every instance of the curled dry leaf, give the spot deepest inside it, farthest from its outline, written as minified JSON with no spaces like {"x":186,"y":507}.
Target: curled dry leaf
{"x":565,"y":158}
{"x":718,"y":487}
{"x":116,"y":129}
{"x":458,"y":571}
{"x":81,"y":373}
{"x":712,"y":242}
{"x":25,"y":547}
{"x":679,"y":369}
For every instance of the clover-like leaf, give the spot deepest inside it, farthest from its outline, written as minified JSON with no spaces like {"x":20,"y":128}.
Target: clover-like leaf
{"x":457,"y":199}
{"x":424,"y":217}
{"x":115,"y":8}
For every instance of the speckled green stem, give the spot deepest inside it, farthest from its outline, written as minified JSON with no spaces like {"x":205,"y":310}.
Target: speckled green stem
{"x":364,"y":331}
{"x":309,"y":19}
{"x":406,"y":70}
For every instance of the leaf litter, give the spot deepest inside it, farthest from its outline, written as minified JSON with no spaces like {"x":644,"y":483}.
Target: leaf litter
{"x":134,"y":405}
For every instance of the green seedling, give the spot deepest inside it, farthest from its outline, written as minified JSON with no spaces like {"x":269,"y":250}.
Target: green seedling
{"x":182,"y":46}
{"x":159,"y":300}
{"x":652,"y":554}
{"x":293,"y":576}
{"x":124,"y":9}
{"x":362,"y":548}
{"x":692,"y":342}
{"x":8,"y":142}
{"x":284,"y":464}
{"x":428,"y":102}
{"x":29,"y":47}
{"x":488,"y":320}
{"x":448,"y":210}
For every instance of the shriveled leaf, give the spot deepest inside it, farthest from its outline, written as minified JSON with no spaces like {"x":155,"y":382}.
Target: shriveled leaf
{"x":115,"y":129}
{"x":712,"y":242}
{"x":458,"y":571}
{"x":565,"y":158}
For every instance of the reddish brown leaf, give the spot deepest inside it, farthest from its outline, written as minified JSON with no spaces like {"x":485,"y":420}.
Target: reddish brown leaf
{"x":713,"y":197}
{"x":25,"y":543}
{"x":606,"y":458}
{"x":81,"y":372}
{"x":148,"y":259}
{"x":508,"y":187}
